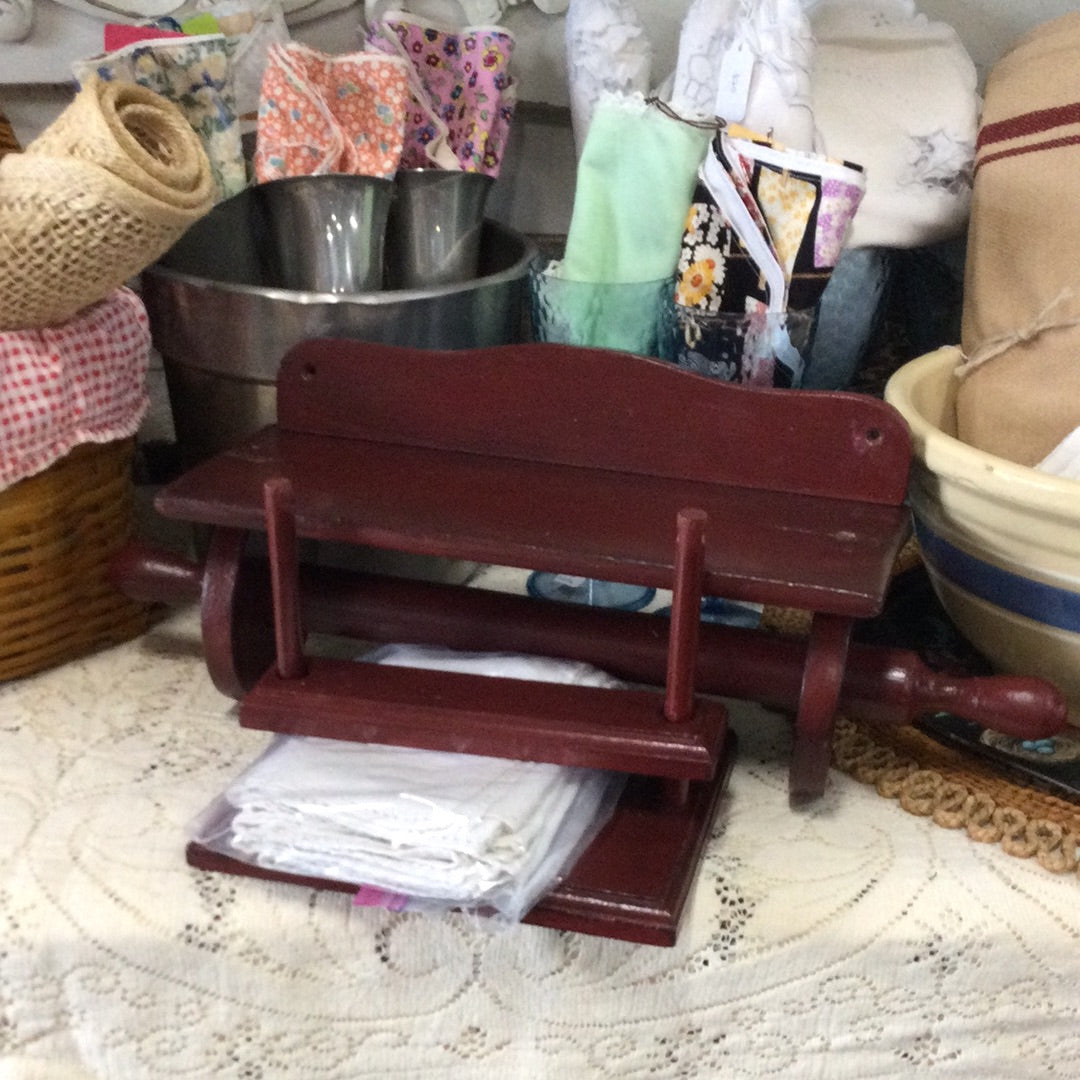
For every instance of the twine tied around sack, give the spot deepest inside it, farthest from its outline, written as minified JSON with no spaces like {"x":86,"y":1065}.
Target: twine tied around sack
{"x":1046,"y":320}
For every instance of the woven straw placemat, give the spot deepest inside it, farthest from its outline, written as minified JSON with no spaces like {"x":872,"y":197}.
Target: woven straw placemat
{"x":957,"y":791}
{"x":955,"y":788}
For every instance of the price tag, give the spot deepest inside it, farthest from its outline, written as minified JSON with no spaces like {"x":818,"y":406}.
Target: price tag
{"x":733,"y":91}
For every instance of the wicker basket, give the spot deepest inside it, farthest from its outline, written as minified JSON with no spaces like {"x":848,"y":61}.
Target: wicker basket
{"x":58,"y":532}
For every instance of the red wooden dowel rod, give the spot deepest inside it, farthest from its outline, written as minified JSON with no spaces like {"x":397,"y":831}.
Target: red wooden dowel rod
{"x":888,"y":685}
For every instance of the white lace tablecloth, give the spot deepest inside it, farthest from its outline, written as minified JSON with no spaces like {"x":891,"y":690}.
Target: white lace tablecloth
{"x":849,"y":941}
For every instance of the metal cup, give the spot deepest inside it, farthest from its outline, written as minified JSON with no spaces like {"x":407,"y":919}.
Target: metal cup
{"x":434,"y":226}
{"x":328,"y":233}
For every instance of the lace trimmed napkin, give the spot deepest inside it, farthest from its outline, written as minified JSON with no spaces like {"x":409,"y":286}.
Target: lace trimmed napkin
{"x":462,"y":94}
{"x":322,"y":114}
{"x":457,"y":830}
{"x":634,"y":184}
{"x":607,"y":52}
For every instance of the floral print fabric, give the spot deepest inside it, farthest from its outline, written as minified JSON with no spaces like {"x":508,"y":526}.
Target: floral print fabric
{"x":195,"y":74}
{"x":801,"y":203}
{"x":330,"y":114}
{"x":715,"y":271}
{"x":462,"y":95}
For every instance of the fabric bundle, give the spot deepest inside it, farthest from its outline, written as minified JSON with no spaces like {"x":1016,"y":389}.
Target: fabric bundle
{"x":762,"y":237}
{"x":321,"y":114}
{"x":634,"y":181}
{"x":462,"y":96}
{"x":767,"y":225}
{"x":1019,"y":394}
{"x":455,"y":830}
{"x":102,"y":193}
{"x":80,"y":382}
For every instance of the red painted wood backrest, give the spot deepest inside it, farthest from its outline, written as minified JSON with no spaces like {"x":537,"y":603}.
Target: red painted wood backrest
{"x":598,"y":409}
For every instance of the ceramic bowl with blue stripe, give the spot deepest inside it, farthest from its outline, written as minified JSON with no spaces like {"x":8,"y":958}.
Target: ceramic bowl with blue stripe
{"x":1001,"y":541}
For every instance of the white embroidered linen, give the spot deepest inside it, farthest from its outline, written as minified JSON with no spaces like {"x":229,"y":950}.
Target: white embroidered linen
{"x":749,"y":63}
{"x":897,"y":92}
{"x":459,"y":829}
{"x":1064,"y":459}
{"x":607,"y":52}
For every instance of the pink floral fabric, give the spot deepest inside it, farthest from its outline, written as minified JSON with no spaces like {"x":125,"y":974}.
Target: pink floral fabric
{"x":462,"y":94}
{"x":330,"y":114}
{"x":839,"y":201}
{"x":81,"y":381}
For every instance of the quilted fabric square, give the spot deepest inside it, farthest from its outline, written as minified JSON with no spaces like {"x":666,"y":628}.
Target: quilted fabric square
{"x":330,"y":114}
{"x":462,"y":93}
{"x":195,"y":74}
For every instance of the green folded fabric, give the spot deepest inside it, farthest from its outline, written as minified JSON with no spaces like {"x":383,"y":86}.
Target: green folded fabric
{"x":635,"y":184}
{"x":635,"y":317}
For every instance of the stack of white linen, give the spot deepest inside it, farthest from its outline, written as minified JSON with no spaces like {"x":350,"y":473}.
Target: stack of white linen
{"x":443,"y":829}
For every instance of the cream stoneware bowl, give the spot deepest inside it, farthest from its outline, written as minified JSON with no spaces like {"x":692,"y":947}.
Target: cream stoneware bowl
{"x":1001,"y":542}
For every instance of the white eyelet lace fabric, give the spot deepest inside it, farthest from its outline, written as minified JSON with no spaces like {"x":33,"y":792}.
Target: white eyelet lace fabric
{"x":850,"y":941}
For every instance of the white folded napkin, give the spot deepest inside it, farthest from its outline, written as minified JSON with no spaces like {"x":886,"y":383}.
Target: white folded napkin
{"x":1064,"y":459}
{"x":456,"y":829}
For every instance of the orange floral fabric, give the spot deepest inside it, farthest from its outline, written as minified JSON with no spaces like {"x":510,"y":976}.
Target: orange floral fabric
{"x":330,"y":114}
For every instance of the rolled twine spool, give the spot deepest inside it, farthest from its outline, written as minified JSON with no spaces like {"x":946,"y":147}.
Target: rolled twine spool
{"x":137,"y":136}
{"x":100,"y":195}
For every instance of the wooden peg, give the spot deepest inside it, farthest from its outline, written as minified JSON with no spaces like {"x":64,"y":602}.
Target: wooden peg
{"x":284,"y":576}
{"x":685,"y":614}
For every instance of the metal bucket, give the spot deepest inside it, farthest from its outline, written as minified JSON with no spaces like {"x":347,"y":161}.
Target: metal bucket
{"x":222,"y":323}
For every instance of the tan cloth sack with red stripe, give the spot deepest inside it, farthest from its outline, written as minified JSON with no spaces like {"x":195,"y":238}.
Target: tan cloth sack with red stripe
{"x":1019,"y":394}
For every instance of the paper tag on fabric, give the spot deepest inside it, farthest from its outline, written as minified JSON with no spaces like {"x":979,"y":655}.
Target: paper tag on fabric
{"x":733,"y":84}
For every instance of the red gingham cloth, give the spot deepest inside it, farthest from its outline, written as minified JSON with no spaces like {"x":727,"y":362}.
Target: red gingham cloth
{"x":82,"y":381}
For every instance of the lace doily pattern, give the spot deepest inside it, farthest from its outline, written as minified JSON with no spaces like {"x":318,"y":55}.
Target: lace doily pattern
{"x":852,"y":940}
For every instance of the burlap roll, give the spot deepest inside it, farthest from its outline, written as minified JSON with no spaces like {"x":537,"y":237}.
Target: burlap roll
{"x":1020,"y":389}
{"x":135,"y":134}
{"x":9,"y":144}
{"x":100,"y":195}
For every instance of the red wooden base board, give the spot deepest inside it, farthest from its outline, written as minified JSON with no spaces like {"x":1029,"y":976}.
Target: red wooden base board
{"x":631,"y":883}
